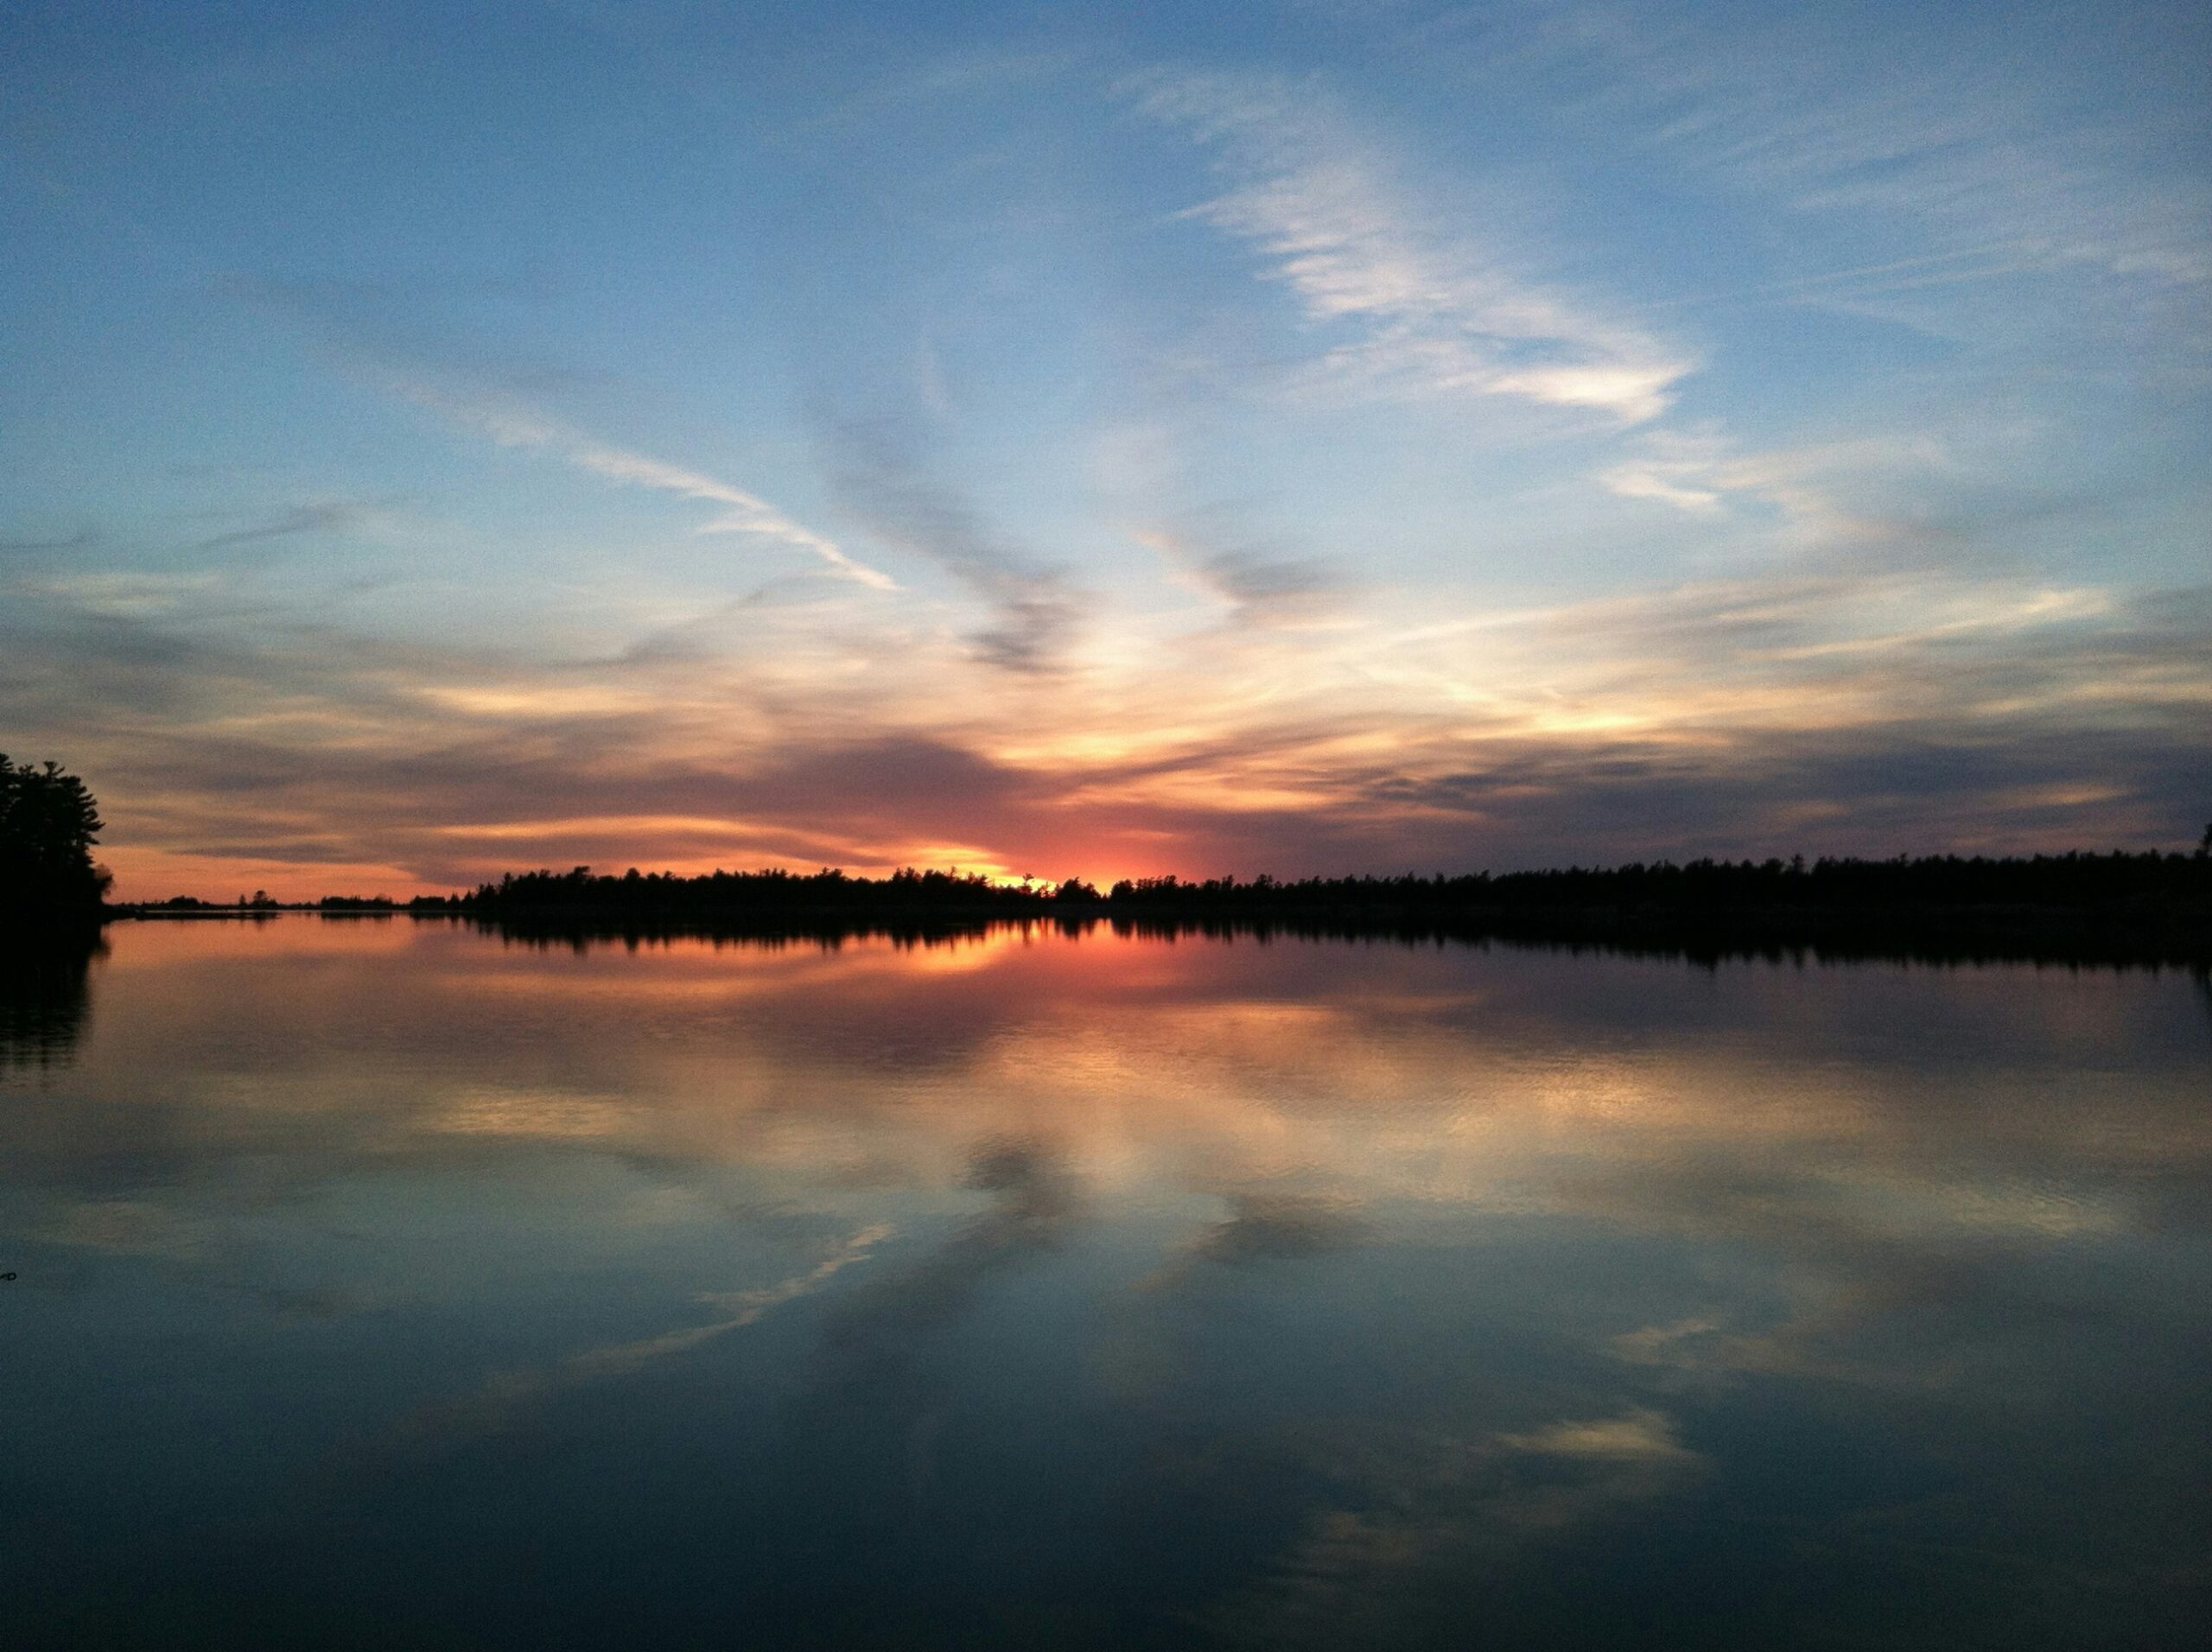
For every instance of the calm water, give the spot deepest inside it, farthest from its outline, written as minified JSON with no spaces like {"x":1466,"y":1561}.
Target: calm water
{"x":388,"y":1285}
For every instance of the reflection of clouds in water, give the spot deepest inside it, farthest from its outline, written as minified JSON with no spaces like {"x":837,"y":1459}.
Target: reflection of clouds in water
{"x":1793,"y":1114}
{"x":221,"y":1250}
{"x":1422,"y":1522}
{"x":1637,"y":1436}
{"x":489,"y":1408}
{"x":1880,"y":1273}
{"x":874,"y":1334}
{"x":872,"y":1395}
{"x":1905,"y":1205}
{"x":1264,"y":1227}
{"x":1381,"y":1269}
{"x":130,"y":1228}
{"x":1680,"y":1342}
{"x":1874,"y":1160}
{"x":1831,"y":1329}
{"x":483,"y":1110}
{"x":743,"y":1307}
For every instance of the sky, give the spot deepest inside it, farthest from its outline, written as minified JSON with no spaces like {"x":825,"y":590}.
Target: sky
{"x":1100,"y":442}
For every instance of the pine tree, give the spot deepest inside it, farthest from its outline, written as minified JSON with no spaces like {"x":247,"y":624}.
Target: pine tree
{"x":48,"y":823}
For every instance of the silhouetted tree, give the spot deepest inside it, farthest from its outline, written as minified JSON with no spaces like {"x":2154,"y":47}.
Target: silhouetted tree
{"x":48,"y":823}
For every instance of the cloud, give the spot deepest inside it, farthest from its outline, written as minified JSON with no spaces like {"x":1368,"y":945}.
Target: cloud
{"x":972,"y":74}
{"x":122,"y":593}
{"x":1261,"y":584}
{"x":1983,"y":172}
{"x":1672,"y":469}
{"x":83,"y":539}
{"x":361,"y":331}
{"x":1430,"y":311}
{"x":876,"y":472}
{"x":1851,"y":498}
{"x":513,"y":423}
{"x":1818,"y":712}
{"x":325,"y":516}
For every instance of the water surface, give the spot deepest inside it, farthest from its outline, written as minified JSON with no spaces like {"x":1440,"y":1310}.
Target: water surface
{"x":385,"y":1283}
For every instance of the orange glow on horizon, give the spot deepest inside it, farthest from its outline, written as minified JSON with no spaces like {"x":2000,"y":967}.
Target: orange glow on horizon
{"x":147,"y":875}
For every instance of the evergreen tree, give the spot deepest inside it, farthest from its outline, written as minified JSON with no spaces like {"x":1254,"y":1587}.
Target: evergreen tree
{"x":48,"y":823}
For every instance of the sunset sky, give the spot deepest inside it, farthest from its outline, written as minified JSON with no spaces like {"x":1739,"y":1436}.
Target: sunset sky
{"x":1089,"y":440}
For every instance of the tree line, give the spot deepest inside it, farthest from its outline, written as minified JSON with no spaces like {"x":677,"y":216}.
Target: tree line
{"x":2148,"y":907}
{"x":2147,"y":881}
{"x":770,"y":892}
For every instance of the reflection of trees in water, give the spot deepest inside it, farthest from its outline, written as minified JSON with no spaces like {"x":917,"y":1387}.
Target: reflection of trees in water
{"x":44,"y":998}
{"x":1576,"y":933}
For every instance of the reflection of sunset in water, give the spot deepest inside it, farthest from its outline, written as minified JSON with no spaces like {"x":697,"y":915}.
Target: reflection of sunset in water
{"x":1470,"y":1255}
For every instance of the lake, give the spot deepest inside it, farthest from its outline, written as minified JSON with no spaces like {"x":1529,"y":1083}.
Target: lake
{"x":387,"y":1283}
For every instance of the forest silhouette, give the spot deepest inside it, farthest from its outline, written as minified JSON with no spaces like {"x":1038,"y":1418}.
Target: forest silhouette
{"x":2141,"y":884}
{"x":2148,"y":906}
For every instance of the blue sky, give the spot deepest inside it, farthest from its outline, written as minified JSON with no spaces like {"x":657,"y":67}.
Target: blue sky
{"x":1314,"y":438}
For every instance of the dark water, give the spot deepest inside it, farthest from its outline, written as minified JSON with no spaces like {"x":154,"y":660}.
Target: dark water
{"x":385,"y":1285}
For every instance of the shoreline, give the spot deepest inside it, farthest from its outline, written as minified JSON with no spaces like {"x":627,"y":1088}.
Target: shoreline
{"x":2091,"y":936}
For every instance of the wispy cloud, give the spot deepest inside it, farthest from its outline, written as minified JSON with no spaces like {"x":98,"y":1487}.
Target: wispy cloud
{"x":121,"y":592}
{"x":1672,"y":469}
{"x":1826,"y":496}
{"x":1433,"y":308}
{"x":83,"y":539}
{"x":878,"y":474}
{"x":1263,"y":585}
{"x":1829,"y":714}
{"x":1975,"y":169}
{"x":361,"y":331}
{"x":512,"y":423}
{"x":322,"y":516}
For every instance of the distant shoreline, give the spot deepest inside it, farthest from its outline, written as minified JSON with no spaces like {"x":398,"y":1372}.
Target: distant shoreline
{"x":2150,"y":906}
